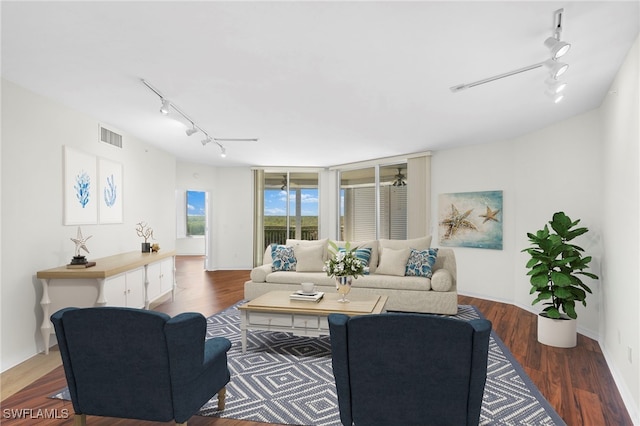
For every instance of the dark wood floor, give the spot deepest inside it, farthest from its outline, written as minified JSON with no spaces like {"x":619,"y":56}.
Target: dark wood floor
{"x":576,"y":381}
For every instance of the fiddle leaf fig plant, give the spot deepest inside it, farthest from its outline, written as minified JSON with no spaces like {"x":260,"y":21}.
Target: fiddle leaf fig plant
{"x":556,"y":265}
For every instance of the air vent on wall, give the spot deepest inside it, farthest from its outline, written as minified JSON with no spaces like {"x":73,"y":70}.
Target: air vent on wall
{"x":110,"y":137}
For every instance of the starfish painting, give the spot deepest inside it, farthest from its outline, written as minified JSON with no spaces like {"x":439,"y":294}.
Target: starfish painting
{"x":457,"y":221}
{"x":490,"y":215}
{"x":80,"y":242}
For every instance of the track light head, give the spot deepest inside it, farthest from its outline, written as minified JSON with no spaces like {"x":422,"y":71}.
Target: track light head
{"x":206,"y":140}
{"x":556,"y":96}
{"x":558,"y":48}
{"x":164,"y":109}
{"x":223,"y":152}
{"x":192,"y":130}
{"x":555,"y":86}
{"x":556,"y":69}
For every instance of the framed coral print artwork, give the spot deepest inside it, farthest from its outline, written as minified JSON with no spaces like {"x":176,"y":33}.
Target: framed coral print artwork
{"x":80,"y":188}
{"x":109,"y":191}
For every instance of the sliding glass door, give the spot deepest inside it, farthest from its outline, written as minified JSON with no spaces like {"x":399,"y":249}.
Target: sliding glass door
{"x":373,"y":203}
{"x":290,"y":207}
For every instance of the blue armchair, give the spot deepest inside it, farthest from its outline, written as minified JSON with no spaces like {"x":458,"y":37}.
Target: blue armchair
{"x":409,"y":369}
{"x":137,"y":364}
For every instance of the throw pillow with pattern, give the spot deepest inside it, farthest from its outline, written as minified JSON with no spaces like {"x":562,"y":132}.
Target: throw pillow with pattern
{"x":421,"y":262}
{"x":283,"y":258}
{"x":364,"y":255}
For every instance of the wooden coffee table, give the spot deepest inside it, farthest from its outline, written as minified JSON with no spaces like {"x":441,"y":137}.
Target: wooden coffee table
{"x":274,"y":311}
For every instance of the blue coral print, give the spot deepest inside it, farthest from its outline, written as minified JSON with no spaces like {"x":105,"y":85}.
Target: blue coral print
{"x":420,"y":263}
{"x":110,"y":192}
{"x":283,"y":258}
{"x":83,"y":188}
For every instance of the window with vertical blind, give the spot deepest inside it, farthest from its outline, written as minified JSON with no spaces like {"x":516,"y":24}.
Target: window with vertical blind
{"x":360,"y":189}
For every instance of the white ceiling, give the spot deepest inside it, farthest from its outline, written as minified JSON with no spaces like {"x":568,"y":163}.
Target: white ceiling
{"x":319,"y":83}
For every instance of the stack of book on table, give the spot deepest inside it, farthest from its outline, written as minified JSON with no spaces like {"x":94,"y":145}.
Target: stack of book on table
{"x":310,"y":297}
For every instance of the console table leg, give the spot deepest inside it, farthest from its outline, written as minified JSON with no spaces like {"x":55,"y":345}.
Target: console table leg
{"x":102,"y":299}
{"x":146,"y":287}
{"x":46,"y":326}
{"x":174,"y":284}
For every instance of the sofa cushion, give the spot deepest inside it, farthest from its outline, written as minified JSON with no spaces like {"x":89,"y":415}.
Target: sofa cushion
{"x":373,"y":245}
{"x":328,"y":284}
{"x":318,"y":278}
{"x":393,"y":262}
{"x":309,"y":258}
{"x":283,"y":258}
{"x":420,"y":263}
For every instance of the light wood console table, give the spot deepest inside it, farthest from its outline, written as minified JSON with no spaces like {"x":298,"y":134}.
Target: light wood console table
{"x":131,"y":279}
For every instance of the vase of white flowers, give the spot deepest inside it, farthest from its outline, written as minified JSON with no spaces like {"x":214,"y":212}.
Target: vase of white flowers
{"x":344,"y":266}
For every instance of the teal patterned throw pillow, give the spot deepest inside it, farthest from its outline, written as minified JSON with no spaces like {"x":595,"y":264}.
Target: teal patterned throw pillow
{"x":362,"y":254}
{"x":420,"y":262}
{"x":283,"y":258}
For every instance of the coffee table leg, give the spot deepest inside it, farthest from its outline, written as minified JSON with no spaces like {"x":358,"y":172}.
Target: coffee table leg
{"x":243,"y":330}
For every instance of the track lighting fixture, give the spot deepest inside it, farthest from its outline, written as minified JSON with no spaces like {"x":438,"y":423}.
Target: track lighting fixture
{"x":164,"y":109}
{"x":167,"y":104}
{"x":556,"y":69}
{"x":557,"y":97}
{"x":558,"y":48}
{"x":555,"y":86}
{"x":192,"y":130}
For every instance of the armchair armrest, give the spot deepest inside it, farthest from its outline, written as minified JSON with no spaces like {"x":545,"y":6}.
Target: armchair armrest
{"x":340,"y":363}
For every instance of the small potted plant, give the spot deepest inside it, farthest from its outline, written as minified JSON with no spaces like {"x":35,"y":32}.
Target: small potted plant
{"x":555,"y":268}
{"x":143,"y":230}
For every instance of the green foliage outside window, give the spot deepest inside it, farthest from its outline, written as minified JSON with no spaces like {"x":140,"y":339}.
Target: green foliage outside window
{"x":196,"y":213}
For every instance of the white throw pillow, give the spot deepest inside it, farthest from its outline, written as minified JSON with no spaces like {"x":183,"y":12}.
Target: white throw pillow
{"x":266,"y":258}
{"x":393,"y":262}
{"x":308,"y":243}
{"x":309,"y":258}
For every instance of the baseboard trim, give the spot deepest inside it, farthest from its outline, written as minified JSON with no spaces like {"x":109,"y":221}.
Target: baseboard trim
{"x":625,"y":393}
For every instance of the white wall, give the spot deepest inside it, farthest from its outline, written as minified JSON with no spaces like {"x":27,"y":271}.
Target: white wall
{"x":587,"y":166}
{"x":554,"y":169}
{"x":620,"y":328}
{"x":34,"y":130}
{"x":231,"y":220}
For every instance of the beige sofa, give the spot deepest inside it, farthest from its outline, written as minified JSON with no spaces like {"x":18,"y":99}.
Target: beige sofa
{"x":437,"y":294}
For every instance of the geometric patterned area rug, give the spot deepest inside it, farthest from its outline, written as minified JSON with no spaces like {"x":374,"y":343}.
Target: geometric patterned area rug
{"x":289,"y":380}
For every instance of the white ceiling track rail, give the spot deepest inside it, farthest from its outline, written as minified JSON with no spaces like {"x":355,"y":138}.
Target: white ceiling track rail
{"x":168,"y":105}
{"x":556,"y":47}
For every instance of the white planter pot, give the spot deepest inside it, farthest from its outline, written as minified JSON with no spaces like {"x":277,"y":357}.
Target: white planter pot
{"x":561,"y":333}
